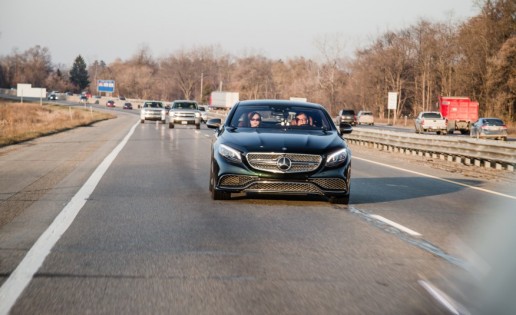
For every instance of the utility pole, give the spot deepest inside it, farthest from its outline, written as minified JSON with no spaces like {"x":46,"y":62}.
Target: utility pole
{"x":200,"y":97}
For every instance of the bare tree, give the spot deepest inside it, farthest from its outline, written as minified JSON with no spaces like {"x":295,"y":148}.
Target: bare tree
{"x":333,"y":66}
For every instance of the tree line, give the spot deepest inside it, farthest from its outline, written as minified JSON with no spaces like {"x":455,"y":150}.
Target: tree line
{"x":475,"y":58}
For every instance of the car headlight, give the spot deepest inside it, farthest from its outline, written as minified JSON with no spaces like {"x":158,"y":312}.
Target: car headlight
{"x":230,"y":153}
{"x":337,"y":157}
{"x":171,"y":114}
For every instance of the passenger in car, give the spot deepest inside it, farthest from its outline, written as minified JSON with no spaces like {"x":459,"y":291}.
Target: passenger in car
{"x":255,"y":119}
{"x":302,"y":119}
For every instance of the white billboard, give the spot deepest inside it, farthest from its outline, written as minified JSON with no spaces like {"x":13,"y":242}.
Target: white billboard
{"x":392,"y":100}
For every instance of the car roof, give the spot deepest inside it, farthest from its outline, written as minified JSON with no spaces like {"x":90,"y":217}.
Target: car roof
{"x":279,"y":103}
{"x":184,"y":101}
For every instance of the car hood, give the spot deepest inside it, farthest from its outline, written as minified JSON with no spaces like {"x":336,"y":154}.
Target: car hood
{"x":293,"y":141}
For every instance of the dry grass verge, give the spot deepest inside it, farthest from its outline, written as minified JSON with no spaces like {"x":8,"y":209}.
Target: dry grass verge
{"x":25,"y":121}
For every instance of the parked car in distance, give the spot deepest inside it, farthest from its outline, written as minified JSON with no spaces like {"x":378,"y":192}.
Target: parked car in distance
{"x":128,"y":106}
{"x":184,"y":112}
{"x":484,"y":127}
{"x":365,"y":117}
{"x":262,"y":148}
{"x":153,"y":110}
{"x":430,"y":121}
{"x":83,"y":99}
{"x":110,"y":103}
{"x":346,"y":116}
{"x":52,"y":97}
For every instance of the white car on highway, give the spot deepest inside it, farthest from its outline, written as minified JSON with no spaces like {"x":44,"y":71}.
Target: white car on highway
{"x":365,"y":117}
{"x":153,"y":110}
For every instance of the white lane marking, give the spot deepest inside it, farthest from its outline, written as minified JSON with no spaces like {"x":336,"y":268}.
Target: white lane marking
{"x":23,"y":274}
{"x":396,"y":225}
{"x":443,"y":298}
{"x":439,"y":178}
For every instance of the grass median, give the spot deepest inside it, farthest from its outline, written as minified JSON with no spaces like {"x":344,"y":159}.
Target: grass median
{"x":25,"y":121}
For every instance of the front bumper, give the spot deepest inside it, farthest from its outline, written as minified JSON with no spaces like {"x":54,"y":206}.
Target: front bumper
{"x":310,"y":186}
{"x":153,"y":116}
{"x":237,"y":178}
{"x":185,"y":120}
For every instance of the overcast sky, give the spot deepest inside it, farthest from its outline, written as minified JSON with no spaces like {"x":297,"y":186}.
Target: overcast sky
{"x":110,"y":29}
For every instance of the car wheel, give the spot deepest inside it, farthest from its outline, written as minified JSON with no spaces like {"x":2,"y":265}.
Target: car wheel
{"x":220,"y":195}
{"x":163,"y":121}
{"x":142,"y":121}
{"x":170,"y":125}
{"x":217,"y":194}
{"x":198,"y":126}
{"x":504,"y":138}
{"x":340,"y":200}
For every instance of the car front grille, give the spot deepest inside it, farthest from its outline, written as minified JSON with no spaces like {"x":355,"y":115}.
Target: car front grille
{"x":236,"y":180}
{"x":330,"y":183}
{"x":184,"y":115}
{"x":310,"y":186}
{"x":285,"y":188}
{"x":270,"y":162}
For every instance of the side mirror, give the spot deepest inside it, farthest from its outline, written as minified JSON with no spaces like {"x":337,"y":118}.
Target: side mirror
{"x":214,"y":123}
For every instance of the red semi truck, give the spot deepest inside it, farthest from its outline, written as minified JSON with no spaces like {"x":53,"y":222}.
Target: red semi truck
{"x":459,"y":112}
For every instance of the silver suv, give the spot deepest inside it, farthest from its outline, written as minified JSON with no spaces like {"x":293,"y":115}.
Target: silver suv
{"x":153,"y":110}
{"x":185,"y":113}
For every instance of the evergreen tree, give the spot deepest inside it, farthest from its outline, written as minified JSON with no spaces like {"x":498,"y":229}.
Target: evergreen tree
{"x":79,"y":74}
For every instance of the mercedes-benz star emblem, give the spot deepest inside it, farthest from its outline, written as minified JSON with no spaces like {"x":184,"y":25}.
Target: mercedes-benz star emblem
{"x":284,"y":163}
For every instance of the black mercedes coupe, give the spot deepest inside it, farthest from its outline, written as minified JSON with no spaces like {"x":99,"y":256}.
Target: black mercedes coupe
{"x":279,"y":147}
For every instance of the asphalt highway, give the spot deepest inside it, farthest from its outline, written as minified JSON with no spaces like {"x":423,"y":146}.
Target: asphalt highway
{"x":147,"y":238}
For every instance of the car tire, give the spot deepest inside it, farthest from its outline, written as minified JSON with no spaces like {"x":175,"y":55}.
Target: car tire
{"x":220,"y":195}
{"x":163,"y":121}
{"x":142,"y":121}
{"x":340,"y":200}
{"x":198,"y":126}
{"x":171,"y":125}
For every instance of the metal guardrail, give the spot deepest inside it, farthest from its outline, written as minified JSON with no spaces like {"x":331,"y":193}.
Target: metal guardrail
{"x":465,"y":150}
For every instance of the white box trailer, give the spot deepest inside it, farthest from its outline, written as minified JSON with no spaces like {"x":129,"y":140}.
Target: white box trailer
{"x":224,"y":100}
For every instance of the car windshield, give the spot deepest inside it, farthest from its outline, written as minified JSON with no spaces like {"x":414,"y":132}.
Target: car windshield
{"x":184,"y":105}
{"x":153,"y":104}
{"x":366,"y":113}
{"x":272,"y":116}
{"x":493,"y":122}
{"x":348,"y":112}
{"x":432,"y":115}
